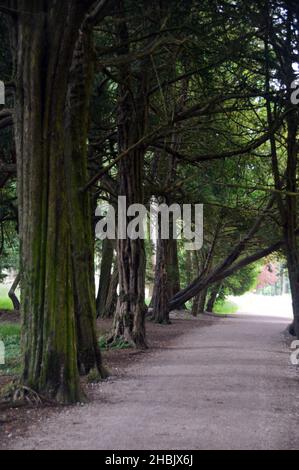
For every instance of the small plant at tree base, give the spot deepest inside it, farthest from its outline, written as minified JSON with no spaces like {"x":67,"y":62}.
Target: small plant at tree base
{"x":117,"y":344}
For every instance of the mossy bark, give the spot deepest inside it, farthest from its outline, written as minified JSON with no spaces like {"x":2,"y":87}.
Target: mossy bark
{"x":111,"y":300}
{"x":167,"y":278}
{"x":174,"y":284}
{"x":129,"y":322}
{"x":199,"y":303}
{"x":287,"y":205}
{"x":79,"y":203}
{"x":44,"y":38}
{"x":290,"y":216}
{"x":161,"y":298}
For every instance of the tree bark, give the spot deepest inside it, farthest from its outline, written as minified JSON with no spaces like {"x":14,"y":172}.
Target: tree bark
{"x":129,"y":322}
{"x":174,"y":284}
{"x":199,"y":303}
{"x":44,"y":38}
{"x":288,"y":207}
{"x":111,"y":301}
{"x":105,"y":277}
{"x":161,"y":289}
{"x":290,"y":218}
{"x":167,"y":276}
{"x":80,"y":203}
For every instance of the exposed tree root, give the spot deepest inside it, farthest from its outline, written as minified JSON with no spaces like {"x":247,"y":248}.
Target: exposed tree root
{"x":17,"y":395}
{"x":26,"y":394}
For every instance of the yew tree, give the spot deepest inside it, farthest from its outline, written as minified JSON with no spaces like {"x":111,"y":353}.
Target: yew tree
{"x":50,"y":43}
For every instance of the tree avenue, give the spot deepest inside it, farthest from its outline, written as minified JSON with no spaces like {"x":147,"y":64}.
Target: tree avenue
{"x":162,"y":102}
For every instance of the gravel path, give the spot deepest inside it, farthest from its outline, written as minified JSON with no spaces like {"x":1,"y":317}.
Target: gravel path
{"x":228,"y":386}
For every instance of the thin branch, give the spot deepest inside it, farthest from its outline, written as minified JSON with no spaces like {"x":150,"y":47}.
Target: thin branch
{"x":96,"y":13}
{"x":99,"y":175}
{"x":9,"y":11}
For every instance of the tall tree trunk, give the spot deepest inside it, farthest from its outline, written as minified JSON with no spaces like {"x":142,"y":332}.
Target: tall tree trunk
{"x":80,"y":204}
{"x":166,"y":272}
{"x":199,"y":303}
{"x":111,"y":301}
{"x":105,"y":276}
{"x":290,"y":220}
{"x":129,"y":321}
{"x":189,"y":266}
{"x":166,"y":259}
{"x":161,"y":289}
{"x":130,"y":316}
{"x":288,"y":207}
{"x":45,"y":35}
{"x":174,"y":285}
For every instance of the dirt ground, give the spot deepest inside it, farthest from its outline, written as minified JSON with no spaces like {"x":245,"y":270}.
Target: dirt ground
{"x":15,"y":422}
{"x":9,"y":316}
{"x":206,"y":384}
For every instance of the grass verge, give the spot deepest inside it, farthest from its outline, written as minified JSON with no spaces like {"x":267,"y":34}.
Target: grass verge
{"x":225,"y":308}
{"x":119,"y":344}
{"x":10,"y":334}
{"x":10,"y":337}
{"x":5,"y":302}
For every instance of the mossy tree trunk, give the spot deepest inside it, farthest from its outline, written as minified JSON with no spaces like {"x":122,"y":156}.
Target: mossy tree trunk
{"x":44,"y":36}
{"x":174,"y":284}
{"x":199,"y":303}
{"x":288,"y":182}
{"x":161,"y":289}
{"x":80,"y":204}
{"x":290,"y":217}
{"x":129,"y":321}
{"x":111,"y":301}
{"x":167,"y":276}
{"x":167,"y":260}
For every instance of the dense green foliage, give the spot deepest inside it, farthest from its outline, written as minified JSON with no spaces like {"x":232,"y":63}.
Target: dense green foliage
{"x":243,"y":281}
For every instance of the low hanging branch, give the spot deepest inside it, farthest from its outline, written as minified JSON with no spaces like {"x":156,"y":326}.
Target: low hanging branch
{"x":204,"y":283}
{"x":187,"y":114}
{"x":219,"y":272}
{"x":96,"y":14}
{"x":248,"y":148}
{"x":125,"y":153}
{"x":9,"y":11}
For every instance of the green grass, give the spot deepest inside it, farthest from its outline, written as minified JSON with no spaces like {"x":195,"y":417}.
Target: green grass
{"x":5,"y":302}
{"x":10,"y":335}
{"x":120,"y":344}
{"x":225,"y":308}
